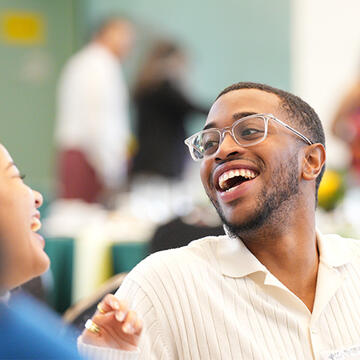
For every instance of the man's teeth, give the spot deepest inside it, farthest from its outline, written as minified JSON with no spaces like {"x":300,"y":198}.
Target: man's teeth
{"x":245,"y":173}
{"x":35,"y":225}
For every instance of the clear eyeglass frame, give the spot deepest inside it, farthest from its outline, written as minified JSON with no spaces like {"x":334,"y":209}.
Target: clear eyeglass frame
{"x":230,"y":129}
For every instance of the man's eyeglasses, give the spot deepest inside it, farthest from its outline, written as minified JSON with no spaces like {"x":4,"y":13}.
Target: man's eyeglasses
{"x":247,"y":131}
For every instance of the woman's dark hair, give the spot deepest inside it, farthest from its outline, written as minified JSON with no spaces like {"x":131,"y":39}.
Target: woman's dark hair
{"x":152,"y":70}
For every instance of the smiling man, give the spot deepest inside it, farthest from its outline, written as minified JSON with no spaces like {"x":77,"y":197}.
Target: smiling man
{"x":273,"y":287}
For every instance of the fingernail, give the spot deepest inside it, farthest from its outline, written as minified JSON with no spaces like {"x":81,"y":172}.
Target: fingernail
{"x":128,"y":328}
{"x":115,"y":305}
{"x":120,"y":316}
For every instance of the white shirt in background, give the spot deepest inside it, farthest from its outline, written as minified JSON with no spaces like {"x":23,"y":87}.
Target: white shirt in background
{"x":214,"y":300}
{"x":93,"y":112}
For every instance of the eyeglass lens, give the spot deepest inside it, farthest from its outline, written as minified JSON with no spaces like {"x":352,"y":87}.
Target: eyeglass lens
{"x":246,"y":132}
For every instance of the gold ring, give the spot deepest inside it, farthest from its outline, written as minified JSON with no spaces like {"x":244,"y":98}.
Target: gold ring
{"x":91,"y":326}
{"x":101,"y":310}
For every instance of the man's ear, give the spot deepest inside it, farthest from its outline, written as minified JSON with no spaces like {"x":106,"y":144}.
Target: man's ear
{"x":314,"y":160}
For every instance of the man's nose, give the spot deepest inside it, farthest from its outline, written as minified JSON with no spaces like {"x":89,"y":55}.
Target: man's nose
{"x":228,"y":146}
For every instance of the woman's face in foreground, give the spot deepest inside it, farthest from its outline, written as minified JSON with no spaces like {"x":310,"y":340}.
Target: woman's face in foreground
{"x":21,"y":248}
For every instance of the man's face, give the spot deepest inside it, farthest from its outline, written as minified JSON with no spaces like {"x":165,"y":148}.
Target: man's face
{"x":120,"y":37}
{"x":272,"y":165}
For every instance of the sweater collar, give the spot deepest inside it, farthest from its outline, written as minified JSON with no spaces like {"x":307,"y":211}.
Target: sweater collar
{"x":236,"y":260}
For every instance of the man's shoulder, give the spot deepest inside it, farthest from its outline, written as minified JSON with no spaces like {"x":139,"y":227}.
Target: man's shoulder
{"x":89,"y":57}
{"x":340,"y":249}
{"x":345,"y":241}
{"x":353,"y":244}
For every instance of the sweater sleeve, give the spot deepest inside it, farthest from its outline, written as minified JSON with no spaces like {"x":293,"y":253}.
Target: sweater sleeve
{"x":151,"y":345}
{"x":103,"y":353}
{"x":152,"y":341}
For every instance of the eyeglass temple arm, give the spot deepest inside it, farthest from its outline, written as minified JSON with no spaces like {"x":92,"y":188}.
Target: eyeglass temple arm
{"x":293,"y":130}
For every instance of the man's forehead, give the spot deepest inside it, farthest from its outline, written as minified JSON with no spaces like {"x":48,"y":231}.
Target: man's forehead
{"x":243,"y":101}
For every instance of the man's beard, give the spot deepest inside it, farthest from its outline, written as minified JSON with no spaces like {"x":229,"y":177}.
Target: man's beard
{"x":273,"y":203}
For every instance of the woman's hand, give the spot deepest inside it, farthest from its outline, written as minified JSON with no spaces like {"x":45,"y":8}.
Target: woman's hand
{"x":113,"y":325}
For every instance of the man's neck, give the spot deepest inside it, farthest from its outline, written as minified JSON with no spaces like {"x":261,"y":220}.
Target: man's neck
{"x":106,"y":47}
{"x":291,"y":255}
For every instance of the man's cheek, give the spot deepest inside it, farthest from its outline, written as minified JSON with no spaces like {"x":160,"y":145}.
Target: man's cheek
{"x":208,"y":189}
{"x":206,"y":183}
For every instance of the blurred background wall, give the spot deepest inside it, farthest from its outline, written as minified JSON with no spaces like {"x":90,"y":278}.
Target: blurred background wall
{"x":325,"y":53}
{"x":36,"y":39}
{"x":227,"y":42}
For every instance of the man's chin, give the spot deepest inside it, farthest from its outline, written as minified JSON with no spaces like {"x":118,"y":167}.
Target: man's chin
{"x":236,"y":219}
{"x":235,"y":224}
{"x":243,"y":222}
{"x":236,"y":216}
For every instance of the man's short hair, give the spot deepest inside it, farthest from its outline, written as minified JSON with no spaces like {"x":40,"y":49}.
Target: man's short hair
{"x":302,"y":115}
{"x":103,"y":24}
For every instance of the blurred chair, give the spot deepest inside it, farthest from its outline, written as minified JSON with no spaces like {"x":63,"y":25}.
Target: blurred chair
{"x":84,"y":309}
{"x":178,"y":233}
{"x":128,"y":255}
{"x":162,"y":109}
{"x":61,"y":252}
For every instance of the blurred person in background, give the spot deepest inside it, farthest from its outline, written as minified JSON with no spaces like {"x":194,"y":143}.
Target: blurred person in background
{"x":162,"y":108}
{"x":92,"y":128}
{"x":28,"y":330}
{"x":346,"y":126}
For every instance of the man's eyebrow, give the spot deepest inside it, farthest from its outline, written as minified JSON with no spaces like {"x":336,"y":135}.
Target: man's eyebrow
{"x":240,"y":115}
{"x":210,"y":125}
{"x":235,"y":117}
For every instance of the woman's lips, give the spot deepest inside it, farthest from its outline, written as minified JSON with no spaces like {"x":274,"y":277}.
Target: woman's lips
{"x":40,"y":239}
{"x":35,"y":224}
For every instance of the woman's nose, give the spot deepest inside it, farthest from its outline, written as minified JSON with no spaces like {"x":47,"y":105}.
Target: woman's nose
{"x":38,"y":199}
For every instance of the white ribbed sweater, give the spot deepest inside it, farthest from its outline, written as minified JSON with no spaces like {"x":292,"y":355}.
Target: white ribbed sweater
{"x":214,"y":300}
